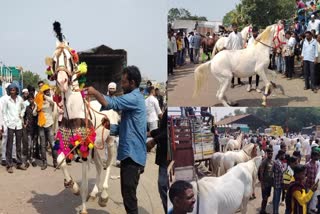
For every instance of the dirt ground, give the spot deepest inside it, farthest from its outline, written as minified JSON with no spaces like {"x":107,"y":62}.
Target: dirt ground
{"x":42,"y":191}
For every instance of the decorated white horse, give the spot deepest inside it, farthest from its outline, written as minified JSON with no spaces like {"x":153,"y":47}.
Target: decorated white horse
{"x":83,"y":130}
{"x":245,"y":34}
{"x":232,"y":158}
{"x":234,"y":144}
{"x":241,"y":63}
{"x":228,"y":193}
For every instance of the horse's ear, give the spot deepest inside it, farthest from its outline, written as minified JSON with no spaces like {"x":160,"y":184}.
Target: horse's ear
{"x":49,"y":61}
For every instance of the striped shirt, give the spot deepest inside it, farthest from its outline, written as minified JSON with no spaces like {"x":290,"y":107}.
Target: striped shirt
{"x":278,"y":170}
{"x":311,"y":173}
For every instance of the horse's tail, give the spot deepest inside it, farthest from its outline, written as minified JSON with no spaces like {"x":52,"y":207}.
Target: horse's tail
{"x":200,"y":75}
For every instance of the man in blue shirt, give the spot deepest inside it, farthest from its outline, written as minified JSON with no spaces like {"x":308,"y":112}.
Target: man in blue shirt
{"x":132,"y":151}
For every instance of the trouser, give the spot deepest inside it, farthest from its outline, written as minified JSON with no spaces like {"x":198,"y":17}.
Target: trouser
{"x":309,"y":74}
{"x":216,"y":144}
{"x":196,"y":55}
{"x":279,"y":64}
{"x":47,"y":135}
{"x":276,"y":200}
{"x":4,"y":145}
{"x":31,"y":145}
{"x":232,"y":80}
{"x":205,"y":114}
{"x":129,"y":178}
{"x":179,"y":58}
{"x":191,"y":54}
{"x":24,"y":142}
{"x":289,"y":66}
{"x":183,"y":53}
{"x":170,"y":64}
{"x":9,"y":146}
{"x":317,"y":74}
{"x":175,"y":58}
{"x":257,"y":80}
{"x":163,"y":186}
{"x":152,"y":125}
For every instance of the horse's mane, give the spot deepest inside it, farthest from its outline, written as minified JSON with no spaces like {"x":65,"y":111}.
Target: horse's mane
{"x":264,"y":35}
{"x":248,"y":148}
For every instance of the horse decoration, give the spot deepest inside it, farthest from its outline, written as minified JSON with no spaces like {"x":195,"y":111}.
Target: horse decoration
{"x":228,"y":193}
{"x":242,"y":63}
{"x":83,"y":129}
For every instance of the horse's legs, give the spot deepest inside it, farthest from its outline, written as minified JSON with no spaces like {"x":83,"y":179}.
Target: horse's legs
{"x":244,"y":205}
{"x":263,"y":76}
{"x":104,"y":194}
{"x":84,"y":186}
{"x":98,"y":164}
{"x":224,"y":86}
{"x":68,"y":182}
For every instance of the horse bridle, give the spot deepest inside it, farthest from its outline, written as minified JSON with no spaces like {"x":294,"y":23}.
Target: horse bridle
{"x":276,"y":37}
{"x":64,"y":68}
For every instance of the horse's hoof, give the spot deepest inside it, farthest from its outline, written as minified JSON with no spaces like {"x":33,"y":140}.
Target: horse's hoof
{"x":83,"y":212}
{"x":91,"y":198}
{"x":264,"y":104}
{"x":103,"y":201}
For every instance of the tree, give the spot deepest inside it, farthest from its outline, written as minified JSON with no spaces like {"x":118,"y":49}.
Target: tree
{"x":30,"y":78}
{"x":260,"y":12}
{"x":175,"y":13}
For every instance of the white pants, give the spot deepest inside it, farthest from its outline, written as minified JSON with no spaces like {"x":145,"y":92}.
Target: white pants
{"x":152,"y":125}
{"x":4,"y":145}
{"x":314,"y":200}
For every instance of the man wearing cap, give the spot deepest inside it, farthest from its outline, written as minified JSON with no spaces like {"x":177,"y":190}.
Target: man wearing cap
{"x":314,"y":24}
{"x":45,"y":122}
{"x":13,"y":112}
{"x":234,"y":42}
{"x":4,"y":130}
{"x":112,"y":88}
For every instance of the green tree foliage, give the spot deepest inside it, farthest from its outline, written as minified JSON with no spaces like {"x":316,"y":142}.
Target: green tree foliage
{"x":293,"y":118}
{"x":30,"y":78}
{"x":260,"y":12}
{"x":176,"y":13}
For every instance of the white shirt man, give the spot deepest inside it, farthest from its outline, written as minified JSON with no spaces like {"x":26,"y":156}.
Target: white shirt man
{"x":153,"y":110}
{"x":298,"y":146}
{"x":234,"y":41}
{"x":313,"y":24}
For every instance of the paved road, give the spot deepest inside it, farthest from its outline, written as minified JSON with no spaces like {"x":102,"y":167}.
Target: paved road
{"x":35,"y":191}
{"x":288,"y":92}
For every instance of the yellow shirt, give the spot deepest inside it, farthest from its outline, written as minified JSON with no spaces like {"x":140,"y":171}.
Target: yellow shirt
{"x":302,"y":198}
{"x":179,"y":44}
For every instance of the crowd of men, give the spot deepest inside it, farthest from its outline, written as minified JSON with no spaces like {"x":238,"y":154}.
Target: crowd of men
{"x":27,"y":129}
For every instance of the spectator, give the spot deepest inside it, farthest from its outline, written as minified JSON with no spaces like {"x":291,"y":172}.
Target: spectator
{"x":255,"y":33}
{"x":309,"y":54}
{"x":112,"y":88}
{"x":234,"y":42}
{"x":182,"y":197}
{"x":45,"y":122}
{"x":311,"y":174}
{"x":289,"y":54}
{"x":204,"y":113}
{"x":13,"y":112}
{"x":314,"y":24}
{"x":132,"y":133}
{"x":4,"y":131}
{"x":159,"y":98}
{"x":297,"y":154}
{"x":297,"y":194}
{"x":171,"y":47}
{"x":298,"y":145}
{"x":278,"y":170}
{"x":190,"y":39}
{"x":288,"y":176}
{"x":30,"y":122}
{"x":153,"y":110}
{"x":160,"y":139}
{"x":266,"y":178}
{"x":25,"y":94}
{"x":196,"y":44}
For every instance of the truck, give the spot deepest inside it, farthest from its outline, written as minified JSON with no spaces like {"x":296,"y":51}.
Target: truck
{"x":274,"y":130}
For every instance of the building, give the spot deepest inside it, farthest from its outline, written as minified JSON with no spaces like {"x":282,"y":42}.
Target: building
{"x":105,"y":65}
{"x":201,"y":26}
{"x":245,"y":122}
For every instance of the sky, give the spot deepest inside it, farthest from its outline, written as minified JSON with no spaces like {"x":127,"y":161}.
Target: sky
{"x":217,"y":112}
{"x":214,"y":10}
{"x":137,"y":26}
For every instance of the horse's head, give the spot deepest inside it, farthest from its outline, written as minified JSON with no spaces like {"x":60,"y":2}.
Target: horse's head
{"x":278,"y":35}
{"x":250,"y":149}
{"x":63,"y":62}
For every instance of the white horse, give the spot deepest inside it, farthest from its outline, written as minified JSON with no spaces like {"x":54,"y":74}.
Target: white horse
{"x":245,"y":34}
{"x":77,"y":123}
{"x":228,"y":193}
{"x":234,"y":144}
{"x":232,"y":158}
{"x":223,"y":142}
{"x":241,"y":63}
{"x":215,"y":163}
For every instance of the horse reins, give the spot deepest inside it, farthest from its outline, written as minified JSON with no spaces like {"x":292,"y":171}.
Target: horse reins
{"x":273,"y":40}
